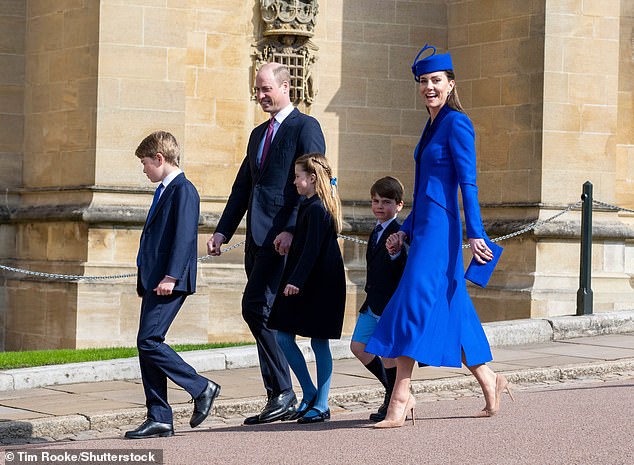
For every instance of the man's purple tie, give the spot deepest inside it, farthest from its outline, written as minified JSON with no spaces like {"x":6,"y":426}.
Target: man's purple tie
{"x":267,"y":141}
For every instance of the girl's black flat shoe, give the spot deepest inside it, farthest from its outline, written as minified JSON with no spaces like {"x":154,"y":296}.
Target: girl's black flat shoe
{"x":319,"y":418}
{"x":300,"y":413}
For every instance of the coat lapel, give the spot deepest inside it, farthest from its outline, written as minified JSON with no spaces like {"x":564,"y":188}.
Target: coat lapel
{"x":430,"y":130}
{"x":279,"y":135}
{"x":257,"y":136}
{"x":169,"y":190}
{"x":391,"y":228}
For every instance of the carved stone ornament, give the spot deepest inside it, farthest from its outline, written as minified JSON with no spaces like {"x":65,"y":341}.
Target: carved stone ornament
{"x":295,"y":17}
{"x":288,"y":26}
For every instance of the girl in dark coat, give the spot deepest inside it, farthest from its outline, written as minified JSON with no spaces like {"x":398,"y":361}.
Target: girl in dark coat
{"x":311,"y":299}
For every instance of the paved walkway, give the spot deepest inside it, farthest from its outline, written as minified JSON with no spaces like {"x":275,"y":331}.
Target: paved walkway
{"x":582,"y":421}
{"x":79,"y":410}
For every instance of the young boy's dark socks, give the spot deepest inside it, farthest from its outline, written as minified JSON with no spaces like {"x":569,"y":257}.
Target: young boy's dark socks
{"x":390,"y":374}
{"x":390,"y":379}
{"x":378,"y":370}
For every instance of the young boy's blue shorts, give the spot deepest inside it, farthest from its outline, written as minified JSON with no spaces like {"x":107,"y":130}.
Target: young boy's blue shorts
{"x":366,"y":323}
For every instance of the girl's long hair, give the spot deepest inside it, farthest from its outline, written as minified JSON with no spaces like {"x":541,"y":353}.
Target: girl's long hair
{"x":325,"y":184}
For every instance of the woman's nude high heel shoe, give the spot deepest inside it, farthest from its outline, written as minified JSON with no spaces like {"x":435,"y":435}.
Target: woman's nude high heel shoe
{"x":501,"y":385}
{"x":409,"y":408}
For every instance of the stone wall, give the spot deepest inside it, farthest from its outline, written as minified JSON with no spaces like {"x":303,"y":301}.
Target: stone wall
{"x":12,"y":68}
{"x":584,"y":72}
{"x":548,"y":85}
{"x":57,"y":169}
{"x":12,"y":37}
{"x":625,"y":107}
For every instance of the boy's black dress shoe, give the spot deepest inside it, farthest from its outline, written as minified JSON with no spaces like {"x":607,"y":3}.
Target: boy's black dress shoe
{"x":319,"y":418}
{"x":203,"y":404}
{"x":379,"y":415}
{"x":150,"y":429}
{"x":278,"y":407}
{"x":382,"y":412}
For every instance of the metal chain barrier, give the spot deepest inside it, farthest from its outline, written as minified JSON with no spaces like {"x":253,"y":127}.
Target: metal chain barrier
{"x":71,"y":277}
{"x":534,"y":225}
{"x":611,"y":207}
{"x":67,"y":277}
{"x":356,"y":240}
{"x":227,"y":249}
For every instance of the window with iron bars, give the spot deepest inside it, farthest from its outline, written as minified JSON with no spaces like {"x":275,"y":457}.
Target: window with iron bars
{"x":295,"y":65}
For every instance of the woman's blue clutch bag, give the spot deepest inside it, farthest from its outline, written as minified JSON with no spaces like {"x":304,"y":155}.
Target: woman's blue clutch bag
{"x":479,"y":273}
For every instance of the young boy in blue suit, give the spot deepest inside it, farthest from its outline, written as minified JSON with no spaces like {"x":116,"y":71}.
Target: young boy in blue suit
{"x":383,"y":272}
{"x":166,"y":275}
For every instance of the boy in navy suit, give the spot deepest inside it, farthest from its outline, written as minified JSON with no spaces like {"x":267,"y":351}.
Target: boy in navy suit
{"x":166,"y":275}
{"x":383,"y":273}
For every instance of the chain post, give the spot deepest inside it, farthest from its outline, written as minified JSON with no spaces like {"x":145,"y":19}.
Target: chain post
{"x":584,"y":294}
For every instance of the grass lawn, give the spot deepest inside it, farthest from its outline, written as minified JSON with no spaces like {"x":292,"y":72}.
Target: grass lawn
{"x":33,"y":358}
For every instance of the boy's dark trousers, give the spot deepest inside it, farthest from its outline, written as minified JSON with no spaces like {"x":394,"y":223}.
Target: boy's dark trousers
{"x":158,"y":360}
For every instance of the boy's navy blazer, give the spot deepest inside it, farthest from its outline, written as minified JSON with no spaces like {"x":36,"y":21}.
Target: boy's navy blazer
{"x":268,"y":194}
{"x":169,"y":240}
{"x":382,"y":273}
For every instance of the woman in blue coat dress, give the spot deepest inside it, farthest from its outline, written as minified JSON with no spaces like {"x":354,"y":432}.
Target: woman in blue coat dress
{"x":430,"y":318}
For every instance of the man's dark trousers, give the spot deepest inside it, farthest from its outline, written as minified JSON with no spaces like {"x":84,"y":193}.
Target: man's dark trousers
{"x":264,"y":267}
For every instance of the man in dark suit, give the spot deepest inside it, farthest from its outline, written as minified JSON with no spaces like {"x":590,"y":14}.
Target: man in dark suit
{"x":383,"y":273}
{"x":166,"y":276}
{"x":264,"y":189}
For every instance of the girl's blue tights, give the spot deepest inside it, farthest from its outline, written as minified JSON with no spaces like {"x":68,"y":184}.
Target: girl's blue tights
{"x":297,"y":362}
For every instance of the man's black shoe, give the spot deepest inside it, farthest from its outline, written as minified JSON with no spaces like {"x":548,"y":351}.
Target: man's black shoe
{"x":253,"y":420}
{"x":203,"y":404}
{"x":279,"y":407}
{"x":150,"y":429}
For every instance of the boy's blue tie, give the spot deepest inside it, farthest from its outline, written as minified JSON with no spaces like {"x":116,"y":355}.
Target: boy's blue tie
{"x":155,"y":200}
{"x":374,"y":237}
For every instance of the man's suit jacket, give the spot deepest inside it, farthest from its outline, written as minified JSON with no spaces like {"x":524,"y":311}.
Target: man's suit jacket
{"x":382,"y":273}
{"x":169,"y":240}
{"x":268,"y":194}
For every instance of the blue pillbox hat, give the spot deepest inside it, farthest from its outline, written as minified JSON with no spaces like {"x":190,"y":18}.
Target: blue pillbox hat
{"x":431,"y":63}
